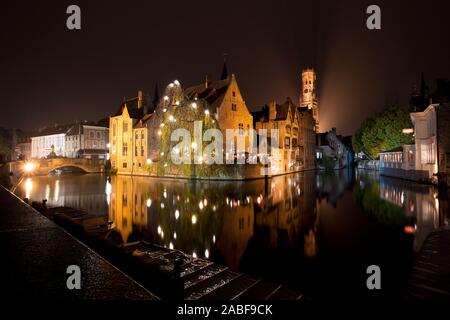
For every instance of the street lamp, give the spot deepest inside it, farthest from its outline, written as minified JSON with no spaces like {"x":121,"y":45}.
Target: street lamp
{"x":28,"y":167}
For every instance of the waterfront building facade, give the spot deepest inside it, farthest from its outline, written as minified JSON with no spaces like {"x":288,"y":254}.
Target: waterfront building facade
{"x":296,"y":135}
{"x":49,"y":142}
{"x":429,"y":156}
{"x":227,"y":105}
{"x":285,"y":119}
{"x":307,"y":138}
{"x":87,"y":140}
{"x":139,"y":138}
{"x":121,"y":133}
{"x":135,"y":132}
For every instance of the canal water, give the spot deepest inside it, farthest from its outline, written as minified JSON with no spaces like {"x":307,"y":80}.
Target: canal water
{"x":314,"y":232}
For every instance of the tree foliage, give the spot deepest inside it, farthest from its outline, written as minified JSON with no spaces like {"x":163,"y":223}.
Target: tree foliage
{"x":382,"y":132}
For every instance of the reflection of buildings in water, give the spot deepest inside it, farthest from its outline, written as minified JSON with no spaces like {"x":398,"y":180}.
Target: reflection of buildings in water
{"x":418,"y":201}
{"x":178,"y":214}
{"x":310,"y":247}
{"x":290,"y":211}
{"x":332,"y":184}
{"x":235,"y":232}
{"x":65,"y":191}
{"x":128,"y":206}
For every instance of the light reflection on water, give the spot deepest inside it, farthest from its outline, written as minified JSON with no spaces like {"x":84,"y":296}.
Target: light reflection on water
{"x":296,"y":228}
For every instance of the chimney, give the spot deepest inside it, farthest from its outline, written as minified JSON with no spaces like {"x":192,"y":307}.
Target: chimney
{"x":206,"y":82}
{"x":272,"y":110}
{"x":140,"y":99}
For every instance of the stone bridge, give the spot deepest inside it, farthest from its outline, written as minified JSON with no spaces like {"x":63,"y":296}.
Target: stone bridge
{"x":46,"y":166}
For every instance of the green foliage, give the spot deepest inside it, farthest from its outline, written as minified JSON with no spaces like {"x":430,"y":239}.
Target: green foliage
{"x":383,"y":132}
{"x":178,"y":112}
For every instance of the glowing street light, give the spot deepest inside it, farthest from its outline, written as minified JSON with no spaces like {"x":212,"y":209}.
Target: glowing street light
{"x":29,"y":166}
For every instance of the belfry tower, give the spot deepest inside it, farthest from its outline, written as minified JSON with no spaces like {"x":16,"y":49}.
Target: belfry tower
{"x":308,"y":96}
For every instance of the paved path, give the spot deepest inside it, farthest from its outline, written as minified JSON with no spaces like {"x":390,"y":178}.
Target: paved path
{"x":430,"y":278}
{"x":35,"y":253}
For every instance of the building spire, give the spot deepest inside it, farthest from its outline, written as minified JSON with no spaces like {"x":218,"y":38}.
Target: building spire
{"x":224,"y":74}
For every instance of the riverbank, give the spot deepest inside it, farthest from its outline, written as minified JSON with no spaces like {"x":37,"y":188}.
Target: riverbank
{"x":36,"y":253}
{"x":430,"y":277}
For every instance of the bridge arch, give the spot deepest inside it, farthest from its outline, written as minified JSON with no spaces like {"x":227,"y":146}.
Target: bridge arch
{"x":80,"y":168}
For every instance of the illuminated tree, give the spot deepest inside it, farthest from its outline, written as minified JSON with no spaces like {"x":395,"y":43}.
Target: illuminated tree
{"x":383,"y":132}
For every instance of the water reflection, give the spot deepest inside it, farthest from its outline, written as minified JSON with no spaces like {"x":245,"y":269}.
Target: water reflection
{"x":306,"y":229}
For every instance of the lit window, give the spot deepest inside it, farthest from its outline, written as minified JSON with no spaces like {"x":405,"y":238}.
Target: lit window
{"x":241,"y":128}
{"x":125,"y":149}
{"x":426,"y":153}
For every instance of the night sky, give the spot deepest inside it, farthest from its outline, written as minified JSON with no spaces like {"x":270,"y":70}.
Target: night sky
{"x":49,"y":74}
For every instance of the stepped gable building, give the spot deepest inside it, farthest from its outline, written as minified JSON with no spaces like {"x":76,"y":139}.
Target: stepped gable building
{"x":296,"y":134}
{"x":226,"y":103}
{"x":122,"y":137}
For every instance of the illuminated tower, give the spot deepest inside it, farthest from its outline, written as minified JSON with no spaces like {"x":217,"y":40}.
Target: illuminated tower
{"x":308,"y":96}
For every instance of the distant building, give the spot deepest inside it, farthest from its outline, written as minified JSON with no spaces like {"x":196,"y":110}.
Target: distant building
{"x":49,"y":142}
{"x":20,"y":145}
{"x":87,"y":140}
{"x":331,"y":152}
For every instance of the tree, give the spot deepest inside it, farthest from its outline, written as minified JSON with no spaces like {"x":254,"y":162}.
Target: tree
{"x":383,"y":132}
